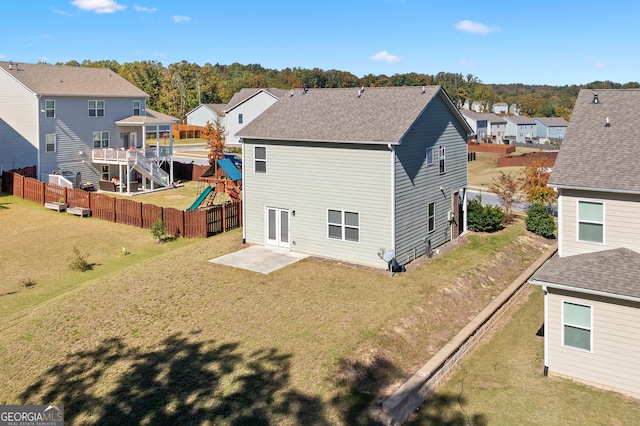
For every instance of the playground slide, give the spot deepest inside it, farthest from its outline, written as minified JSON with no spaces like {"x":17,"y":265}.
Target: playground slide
{"x":202,"y":196}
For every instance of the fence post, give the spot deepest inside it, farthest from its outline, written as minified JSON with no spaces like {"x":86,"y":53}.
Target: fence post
{"x":224,"y":218}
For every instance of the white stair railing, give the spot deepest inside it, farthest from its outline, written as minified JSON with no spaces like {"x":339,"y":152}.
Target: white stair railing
{"x":151,"y":169}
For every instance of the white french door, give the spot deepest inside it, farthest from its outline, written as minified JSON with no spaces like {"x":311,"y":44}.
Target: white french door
{"x":277,"y":227}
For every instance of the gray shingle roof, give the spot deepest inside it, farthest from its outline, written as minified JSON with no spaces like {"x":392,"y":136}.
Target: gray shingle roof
{"x":61,"y":80}
{"x":519,"y":119}
{"x":614,"y":272}
{"x":151,"y":118}
{"x":378,"y":115}
{"x":489,"y":116}
{"x":246,"y":93}
{"x":599,"y":157}
{"x":553,"y":121}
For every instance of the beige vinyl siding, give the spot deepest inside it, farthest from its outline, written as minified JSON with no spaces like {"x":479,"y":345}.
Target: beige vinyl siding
{"x":613,"y":360}
{"x":19,"y":112}
{"x":620,"y":229}
{"x":312,"y":178}
{"x":417,"y":184}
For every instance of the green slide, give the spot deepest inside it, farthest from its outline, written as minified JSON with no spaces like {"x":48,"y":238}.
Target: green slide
{"x":201,"y":198}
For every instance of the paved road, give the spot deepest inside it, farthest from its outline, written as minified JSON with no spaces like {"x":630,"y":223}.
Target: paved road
{"x":490,"y":198}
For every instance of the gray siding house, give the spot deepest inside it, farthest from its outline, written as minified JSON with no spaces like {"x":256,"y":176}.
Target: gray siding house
{"x":77,"y":120}
{"x":551,"y":128}
{"x":521,"y":127}
{"x":352,"y":173}
{"x":487,"y":124}
{"x":244,"y":107}
{"x":592,"y":291}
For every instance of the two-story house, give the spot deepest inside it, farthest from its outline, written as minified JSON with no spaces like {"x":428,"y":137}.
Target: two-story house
{"x":500,"y":108}
{"x":592,"y":289}
{"x":522,"y":128}
{"x":88,"y":122}
{"x":203,"y":113}
{"x":244,"y":107}
{"x":550,"y":128}
{"x":487,"y":124}
{"x":354,"y":174}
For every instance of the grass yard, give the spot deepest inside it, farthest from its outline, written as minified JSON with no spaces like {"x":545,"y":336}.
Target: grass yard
{"x":163,"y":336}
{"x":484,"y":170}
{"x":502,"y":383}
{"x":179,"y":198}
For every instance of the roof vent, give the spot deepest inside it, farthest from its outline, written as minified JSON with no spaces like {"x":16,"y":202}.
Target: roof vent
{"x":424,"y":89}
{"x":595,"y":99}
{"x":291,"y":93}
{"x":360,"y":91}
{"x":607,"y":124}
{"x":10,"y":65}
{"x":304,"y":89}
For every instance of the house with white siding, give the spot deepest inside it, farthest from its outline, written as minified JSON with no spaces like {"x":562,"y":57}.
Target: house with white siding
{"x":203,"y":113}
{"x":244,"y":107}
{"x":500,"y":108}
{"x":80,"y":121}
{"x":352,"y":174}
{"x":592,"y":290}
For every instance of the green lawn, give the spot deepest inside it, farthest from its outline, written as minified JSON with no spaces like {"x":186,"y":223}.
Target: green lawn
{"x":161,"y":335}
{"x":502,"y":383}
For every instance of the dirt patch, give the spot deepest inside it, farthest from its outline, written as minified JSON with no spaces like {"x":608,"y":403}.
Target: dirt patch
{"x":378,"y":368}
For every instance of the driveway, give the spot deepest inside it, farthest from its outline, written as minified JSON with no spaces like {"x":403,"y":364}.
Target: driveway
{"x":259,"y":259}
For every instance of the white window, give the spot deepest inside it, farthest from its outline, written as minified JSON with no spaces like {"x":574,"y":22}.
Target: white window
{"x":50,"y":108}
{"x":442,"y":160}
{"x":100,"y":139}
{"x":343,"y":225}
{"x":96,"y":108}
{"x":431,"y":217}
{"x":576,"y":326}
{"x":260,"y":159}
{"x":429,"y":156}
{"x":136,"y":107}
{"x":591,"y":221}
{"x":50,"y":142}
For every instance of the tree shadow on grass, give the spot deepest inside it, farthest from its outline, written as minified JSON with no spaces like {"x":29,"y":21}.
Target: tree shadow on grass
{"x":446,"y":410}
{"x":184,"y":381}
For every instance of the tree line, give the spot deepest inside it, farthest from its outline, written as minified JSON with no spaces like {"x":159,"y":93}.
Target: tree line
{"x":179,"y":87}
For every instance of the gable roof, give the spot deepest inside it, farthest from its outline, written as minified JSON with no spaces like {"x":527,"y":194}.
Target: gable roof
{"x":247,"y":93}
{"x":216,"y":108}
{"x":596,"y":156}
{"x":519,"y":119}
{"x":552,"y":121}
{"x":151,"y":118}
{"x":613,"y":273}
{"x":63,"y":80}
{"x":378,"y":115}
{"x":489,"y":116}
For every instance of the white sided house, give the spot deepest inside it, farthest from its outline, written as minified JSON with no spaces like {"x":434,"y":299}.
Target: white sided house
{"x":203,"y":113}
{"x":592,"y":290}
{"x":244,"y":107}
{"x":88,"y":124}
{"x":356,"y":174}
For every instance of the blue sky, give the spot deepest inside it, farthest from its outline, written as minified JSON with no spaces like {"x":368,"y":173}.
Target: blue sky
{"x":542,"y":42}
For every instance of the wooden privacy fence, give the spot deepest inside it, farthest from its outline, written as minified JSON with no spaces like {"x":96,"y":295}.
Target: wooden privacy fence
{"x":188,"y":224}
{"x":547,"y":158}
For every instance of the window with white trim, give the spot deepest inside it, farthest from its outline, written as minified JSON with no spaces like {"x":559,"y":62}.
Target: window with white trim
{"x":96,"y":108}
{"x":591,"y":221}
{"x":100,"y":139}
{"x":429,"y":156}
{"x":50,"y":142}
{"x":431,"y":217}
{"x":442,"y":160}
{"x":576,"y":326}
{"x":136,"y":107}
{"x":343,"y":225}
{"x":50,"y":108}
{"x":260,"y":159}
{"x":105,"y":173}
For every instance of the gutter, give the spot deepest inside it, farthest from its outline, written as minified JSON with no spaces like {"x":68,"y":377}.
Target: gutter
{"x":393,"y":197}
{"x":588,"y":188}
{"x":546,"y":284}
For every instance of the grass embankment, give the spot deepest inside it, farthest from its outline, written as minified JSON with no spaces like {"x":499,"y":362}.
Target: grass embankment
{"x":502,"y":383}
{"x":163,"y":336}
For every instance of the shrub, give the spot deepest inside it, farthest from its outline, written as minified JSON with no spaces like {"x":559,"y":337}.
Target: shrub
{"x":540,"y":222}
{"x":158,"y":228}
{"x":79,"y":261}
{"x":484,"y":218}
{"x":27,"y":282}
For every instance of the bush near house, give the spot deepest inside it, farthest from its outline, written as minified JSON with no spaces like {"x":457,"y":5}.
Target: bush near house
{"x":540,"y":222}
{"x":484,"y":218}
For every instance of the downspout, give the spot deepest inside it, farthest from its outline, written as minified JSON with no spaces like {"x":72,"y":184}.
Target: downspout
{"x":244,"y":195}
{"x":545,"y":330}
{"x":559,"y":221}
{"x":38,"y":150}
{"x":393,"y":197}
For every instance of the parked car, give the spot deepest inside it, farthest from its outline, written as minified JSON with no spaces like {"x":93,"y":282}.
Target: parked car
{"x":235,"y":159}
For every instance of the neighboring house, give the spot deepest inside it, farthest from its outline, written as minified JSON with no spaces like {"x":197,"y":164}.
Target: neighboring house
{"x":244,"y":107}
{"x":551,"y":128}
{"x":477,"y":107}
{"x":486,"y":125}
{"x":206,"y":112}
{"x":521,"y":127}
{"x":81,"y":121}
{"x":352,"y":173}
{"x":514,"y":109}
{"x":500,"y":108}
{"x":592,"y":290}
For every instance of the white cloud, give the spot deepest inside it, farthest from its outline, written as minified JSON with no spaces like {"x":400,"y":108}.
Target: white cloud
{"x":468,"y":26}
{"x":144,"y":9}
{"x":601,"y":65}
{"x":386,"y":57}
{"x":98,"y":6}
{"x":60,"y":12}
{"x":466,"y":63}
{"x":180,"y":19}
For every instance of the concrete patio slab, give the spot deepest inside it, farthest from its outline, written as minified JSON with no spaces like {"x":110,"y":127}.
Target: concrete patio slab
{"x":259,"y":259}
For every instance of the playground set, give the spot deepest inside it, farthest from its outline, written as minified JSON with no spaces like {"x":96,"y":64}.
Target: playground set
{"x":219,"y":185}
